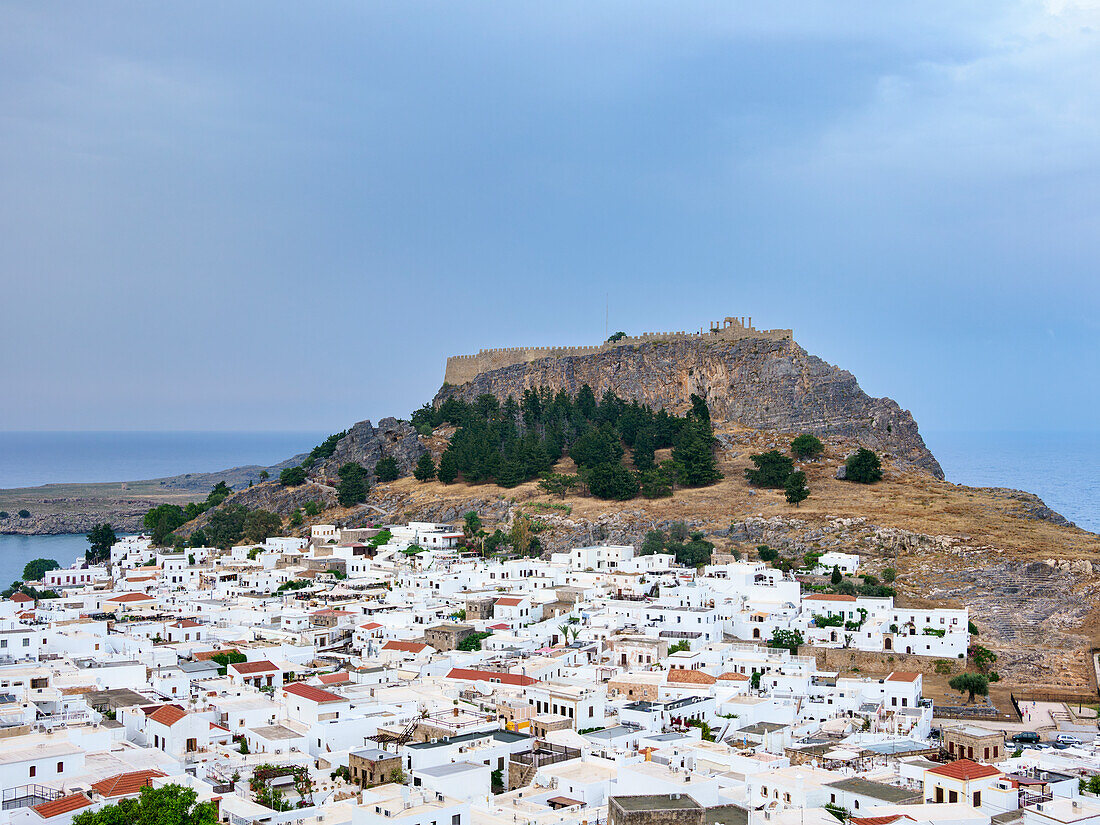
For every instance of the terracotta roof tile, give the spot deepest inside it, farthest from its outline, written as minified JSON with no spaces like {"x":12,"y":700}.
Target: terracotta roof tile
{"x":733,"y":677}
{"x":312,"y":694}
{"x":406,"y":647}
{"x":508,"y":601}
{"x":167,"y":715}
{"x":682,"y":676}
{"x":131,"y":597}
{"x":490,"y":676}
{"x":964,"y":769}
{"x":828,"y":597}
{"x":126,"y":784}
{"x":62,"y":805}
{"x":262,"y":666}
{"x":902,"y":676}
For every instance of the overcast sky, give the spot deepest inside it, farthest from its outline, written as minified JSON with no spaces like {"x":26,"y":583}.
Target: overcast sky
{"x":285,"y":216}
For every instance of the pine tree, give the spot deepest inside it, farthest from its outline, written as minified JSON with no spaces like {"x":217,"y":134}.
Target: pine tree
{"x":425,"y":468}
{"x":796,"y":489}
{"x":644,"y":458}
{"x":448,"y":469}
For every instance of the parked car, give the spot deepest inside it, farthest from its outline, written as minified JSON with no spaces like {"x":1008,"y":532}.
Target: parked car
{"x":1067,"y":739}
{"x":1026,"y":737}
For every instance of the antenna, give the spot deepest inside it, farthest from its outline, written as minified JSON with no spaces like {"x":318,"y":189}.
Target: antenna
{"x":606,"y":314}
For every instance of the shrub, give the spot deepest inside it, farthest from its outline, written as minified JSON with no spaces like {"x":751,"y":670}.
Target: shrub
{"x":292,"y":476}
{"x":611,"y":481}
{"x":425,"y":468}
{"x":386,"y":469}
{"x":889,"y":575}
{"x":807,"y":446}
{"x":772,"y":470}
{"x":863,"y":467}
{"x":24,"y":514}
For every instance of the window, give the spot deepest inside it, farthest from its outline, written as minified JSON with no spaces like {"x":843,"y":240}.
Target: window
{"x":952,"y":796}
{"x":60,"y":767}
{"x":26,"y":642}
{"x":33,"y":770}
{"x":977,"y":799}
{"x":456,"y":819}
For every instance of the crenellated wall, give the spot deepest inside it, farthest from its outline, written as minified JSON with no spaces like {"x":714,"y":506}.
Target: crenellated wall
{"x":461,"y":369}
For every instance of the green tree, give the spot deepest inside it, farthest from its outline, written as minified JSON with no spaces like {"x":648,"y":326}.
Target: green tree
{"x":264,"y":475}
{"x":644,"y":456}
{"x":448,"y":467}
{"x":166,"y":805}
{"x":889,"y":574}
{"x":767,"y":553}
{"x":654,"y":542}
{"x":863,"y":467}
{"x":796,"y":490}
{"x":615,"y":336}
{"x":292,"y":476}
{"x":596,"y":447}
{"x":226,"y":526}
{"x":972,"y":684}
{"x":655,"y":484}
{"x":678,"y":531}
{"x":386,"y":469}
{"x":425,"y":468}
{"x":312,"y":508}
{"x":837,"y":577}
{"x":351,"y":489}
{"x":789,"y":639}
{"x":198,"y":539}
{"x":772,"y":470}
{"x":35,"y":569}
{"x":24,"y":514}
{"x":101,"y":538}
{"x":611,"y":481}
{"x":295,"y":519}
{"x":807,"y":446}
{"x":259,"y":525}
{"x":694,"y":453}
{"x":472,"y":642}
{"x":558,"y":484}
{"x":4,"y":514}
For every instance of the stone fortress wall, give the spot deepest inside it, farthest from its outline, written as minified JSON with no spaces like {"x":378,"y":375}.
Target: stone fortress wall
{"x":464,"y":368}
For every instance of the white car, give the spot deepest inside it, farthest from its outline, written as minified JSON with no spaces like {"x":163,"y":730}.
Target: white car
{"x":1068,"y":739}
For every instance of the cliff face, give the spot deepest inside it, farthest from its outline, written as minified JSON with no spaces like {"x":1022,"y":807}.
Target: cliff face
{"x":754,"y":382}
{"x":366,"y":444}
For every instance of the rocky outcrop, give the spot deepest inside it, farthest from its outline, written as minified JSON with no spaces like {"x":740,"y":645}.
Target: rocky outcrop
{"x":365,"y":444}
{"x":754,"y":382}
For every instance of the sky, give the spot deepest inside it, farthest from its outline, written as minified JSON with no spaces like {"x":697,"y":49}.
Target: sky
{"x":284,"y":216}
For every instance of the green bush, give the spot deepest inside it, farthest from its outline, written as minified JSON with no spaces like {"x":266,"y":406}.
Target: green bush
{"x":863,"y":467}
{"x":386,"y":469}
{"x":292,"y":477}
{"x":772,"y":470}
{"x":807,"y":446}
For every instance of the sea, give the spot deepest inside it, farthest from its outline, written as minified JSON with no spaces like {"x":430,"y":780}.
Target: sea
{"x":1059,"y":467}
{"x":28,"y":459}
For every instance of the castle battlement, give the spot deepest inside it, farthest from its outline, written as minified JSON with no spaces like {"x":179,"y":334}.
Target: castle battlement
{"x":464,"y":368}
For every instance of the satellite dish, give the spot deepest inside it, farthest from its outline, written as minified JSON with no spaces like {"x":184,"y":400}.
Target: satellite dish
{"x":482,"y":687}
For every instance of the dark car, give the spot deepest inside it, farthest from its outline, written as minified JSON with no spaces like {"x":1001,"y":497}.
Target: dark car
{"x":1027,"y":737}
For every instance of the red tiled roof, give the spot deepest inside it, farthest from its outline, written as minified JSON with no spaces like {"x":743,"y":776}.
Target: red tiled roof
{"x":262,"y":666}
{"x":312,"y":694}
{"x":370,"y":626}
{"x":508,"y":601}
{"x":187,"y":623}
{"x":131,"y":597}
{"x":215,"y":726}
{"x":490,"y":676}
{"x":880,"y":820}
{"x":62,"y":805}
{"x":733,"y":677}
{"x":207,"y":655}
{"x":964,"y":769}
{"x":682,"y":676}
{"x":341,"y":677}
{"x":829,"y":597}
{"x":407,"y":647}
{"x":501,"y":626}
{"x":20,"y":596}
{"x":902,"y":676}
{"x":167,"y":715}
{"x":126,"y":784}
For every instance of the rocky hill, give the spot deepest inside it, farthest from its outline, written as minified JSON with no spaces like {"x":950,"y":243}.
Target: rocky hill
{"x":752,"y":382}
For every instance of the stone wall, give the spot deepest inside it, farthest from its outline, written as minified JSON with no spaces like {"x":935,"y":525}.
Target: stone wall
{"x":461,"y":369}
{"x":871,"y":663}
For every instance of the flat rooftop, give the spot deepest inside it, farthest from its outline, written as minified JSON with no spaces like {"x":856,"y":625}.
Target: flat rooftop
{"x":655,"y":802}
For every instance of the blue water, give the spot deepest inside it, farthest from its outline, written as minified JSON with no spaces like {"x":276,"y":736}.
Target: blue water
{"x":16,"y":551}
{"x":1059,"y":467}
{"x":31,"y":458}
